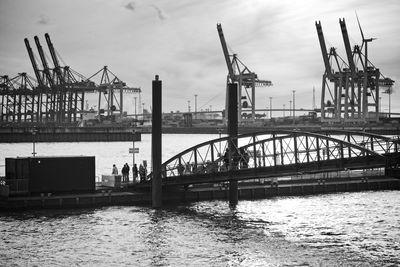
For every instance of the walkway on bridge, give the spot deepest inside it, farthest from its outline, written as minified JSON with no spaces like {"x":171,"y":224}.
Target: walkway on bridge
{"x":280,"y":153}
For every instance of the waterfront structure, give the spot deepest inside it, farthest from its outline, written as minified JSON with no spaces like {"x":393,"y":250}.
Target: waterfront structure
{"x":283,"y":153}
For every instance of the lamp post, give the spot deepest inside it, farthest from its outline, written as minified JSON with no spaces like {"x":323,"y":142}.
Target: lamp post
{"x":133,"y":148}
{"x":379,"y":103}
{"x":34,"y":131}
{"x":135,"y":109}
{"x":220,"y":152}
{"x":195,"y":106}
{"x":143,"y":111}
{"x":390,"y":92}
{"x":270,"y":107}
{"x":283,"y":110}
{"x":294,"y":106}
{"x":290,"y":108}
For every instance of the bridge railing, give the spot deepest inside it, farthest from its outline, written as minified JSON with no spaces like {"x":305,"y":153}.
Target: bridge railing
{"x":256,"y":150}
{"x":378,"y":143}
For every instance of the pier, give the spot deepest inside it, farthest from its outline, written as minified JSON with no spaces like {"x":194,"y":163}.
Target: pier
{"x":67,"y":134}
{"x":257,"y":189}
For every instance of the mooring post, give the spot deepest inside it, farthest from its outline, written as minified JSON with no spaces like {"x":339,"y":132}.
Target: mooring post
{"x":233,"y":131}
{"x":156,"y":186}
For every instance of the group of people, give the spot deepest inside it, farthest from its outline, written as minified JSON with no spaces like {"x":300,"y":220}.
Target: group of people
{"x":141,"y":172}
{"x":239,"y":158}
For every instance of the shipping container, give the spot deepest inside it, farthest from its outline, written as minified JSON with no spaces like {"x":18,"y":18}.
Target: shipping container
{"x":37,"y":175}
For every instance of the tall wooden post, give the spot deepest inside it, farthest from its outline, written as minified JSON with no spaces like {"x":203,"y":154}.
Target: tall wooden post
{"x":156,"y":188}
{"x":233,"y":131}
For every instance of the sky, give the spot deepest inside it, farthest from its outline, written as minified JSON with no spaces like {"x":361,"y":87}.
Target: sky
{"x":178,"y":41}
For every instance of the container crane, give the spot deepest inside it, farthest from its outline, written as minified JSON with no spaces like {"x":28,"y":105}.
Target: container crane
{"x":59,"y":93}
{"x":18,"y":98}
{"x":106,"y":88}
{"x":355,"y":88}
{"x":54,"y":98}
{"x":247,"y":80}
{"x":42,"y":88}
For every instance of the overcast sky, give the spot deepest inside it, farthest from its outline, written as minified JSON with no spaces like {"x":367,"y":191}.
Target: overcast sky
{"x":178,"y":40}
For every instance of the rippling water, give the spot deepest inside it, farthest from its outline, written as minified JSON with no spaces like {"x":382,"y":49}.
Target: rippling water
{"x":344,"y":229}
{"x":347,"y":229}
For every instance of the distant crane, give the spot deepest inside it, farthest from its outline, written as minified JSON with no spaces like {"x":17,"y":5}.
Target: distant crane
{"x":18,"y":98}
{"x":239,"y":73}
{"x":349,"y":90}
{"x":108,"y":83}
{"x":58,"y":94}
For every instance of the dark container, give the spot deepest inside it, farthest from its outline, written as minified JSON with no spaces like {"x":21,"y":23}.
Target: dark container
{"x":75,"y":174}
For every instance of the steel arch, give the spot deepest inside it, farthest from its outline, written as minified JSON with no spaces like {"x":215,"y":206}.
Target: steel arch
{"x":279,"y":152}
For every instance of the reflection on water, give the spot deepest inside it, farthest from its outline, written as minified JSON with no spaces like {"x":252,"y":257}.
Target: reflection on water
{"x":347,"y":229}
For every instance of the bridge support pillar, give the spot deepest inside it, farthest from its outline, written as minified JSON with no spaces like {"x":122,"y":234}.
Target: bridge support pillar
{"x":156,"y":185}
{"x":233,"y":131}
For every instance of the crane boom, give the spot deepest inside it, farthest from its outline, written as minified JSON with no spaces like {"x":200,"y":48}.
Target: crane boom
{"x":323,"y":49}
{"x":44,"y":62}
{"x":347,"y":45}
{"x":54,"y":58}
{"x":34,"y":64}
{"x":225,"y":50}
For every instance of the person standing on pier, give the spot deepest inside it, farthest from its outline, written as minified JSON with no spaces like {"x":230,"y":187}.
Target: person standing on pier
{"x":124,"y":172}
{"x":127,"y":169}
{"x":226,"y":159}
{"x":114,"y":170}
{"x":134,"y":172}
{"x":142,"y":173}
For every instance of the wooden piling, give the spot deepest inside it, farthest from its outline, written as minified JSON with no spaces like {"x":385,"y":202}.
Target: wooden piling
{"x":233,"y":131}
{"x":156,"y":188}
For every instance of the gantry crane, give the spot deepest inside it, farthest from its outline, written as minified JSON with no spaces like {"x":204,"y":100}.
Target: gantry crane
{"x":355,"y":93}
{"x":58,"y":95}
{"x":106,"y":88}
{"x":19,"y":98}
{"x":239,"y":73}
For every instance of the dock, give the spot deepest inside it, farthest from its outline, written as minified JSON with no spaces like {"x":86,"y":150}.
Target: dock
{"x":68,"y":134}
{"x":132,"y":196}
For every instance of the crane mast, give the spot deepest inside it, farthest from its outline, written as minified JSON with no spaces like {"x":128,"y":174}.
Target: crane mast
{"x":46,"y":69}
{"x":247,"y":81}
{"x":225,"y":51}
{"x":53,"y":54}
{"x":34,"y":64}
{"x":346,"y":42}
{"x":328,"y":69}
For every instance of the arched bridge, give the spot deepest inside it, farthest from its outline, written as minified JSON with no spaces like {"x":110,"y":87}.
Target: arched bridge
{"x":279,"y":153}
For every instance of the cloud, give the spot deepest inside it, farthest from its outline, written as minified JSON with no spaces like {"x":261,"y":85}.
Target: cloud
{"x":131,"y":6}
{"x":43,"y":20}
{"x":160,"y":13}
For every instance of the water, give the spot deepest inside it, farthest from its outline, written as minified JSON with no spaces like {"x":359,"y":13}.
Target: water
{"x":106,"y":153}
{"x":347,"y":229}
{"x":344,"y":229}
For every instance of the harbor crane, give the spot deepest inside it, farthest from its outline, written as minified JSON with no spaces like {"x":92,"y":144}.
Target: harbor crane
{"x":58,"y":94}
{"x":108,"y":84}
{"x":18,"y":98}
{"x":247,"y":80}
{"x":350,"y":90}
